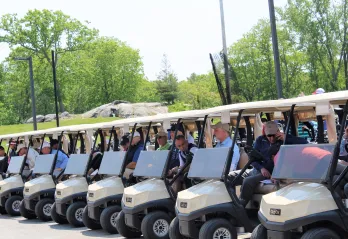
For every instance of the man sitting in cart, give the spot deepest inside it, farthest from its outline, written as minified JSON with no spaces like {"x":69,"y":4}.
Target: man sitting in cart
{"x":3,"y":160}
{"x":137,"y":146}
{"x":62,"y":158}
{"x":222,"y":134}
{"x":268,"y":145}
{"x":31,"y":155}
{"x":162,"y":140}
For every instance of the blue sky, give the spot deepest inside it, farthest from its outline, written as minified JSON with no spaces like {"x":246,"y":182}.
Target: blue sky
{"x":186,"y":30}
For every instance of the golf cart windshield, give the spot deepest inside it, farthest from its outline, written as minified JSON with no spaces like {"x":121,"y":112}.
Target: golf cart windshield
{"x":208,"y":163}
{"x":15,"y":164}
{"x":43,"y":164}
{"x":77,"y":164}
{"x":112,"y":163}
{"x":151,"y":163}
{"x":303,"y":162}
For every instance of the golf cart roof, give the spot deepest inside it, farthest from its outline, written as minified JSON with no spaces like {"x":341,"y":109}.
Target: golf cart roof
{"x":36,"y":133}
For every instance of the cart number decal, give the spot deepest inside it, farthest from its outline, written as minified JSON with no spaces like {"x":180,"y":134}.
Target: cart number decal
{"x":27,"y":190}
{"x":59,"y":193}
{"x":128,"y":199}
{"x":183,"y":204}
{"x":91,"y":195}
{"x":275,"y":212}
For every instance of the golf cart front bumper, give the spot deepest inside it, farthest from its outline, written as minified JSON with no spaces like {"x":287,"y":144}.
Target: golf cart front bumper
{"x":282,"y":230}
{"x":187,"y":221}
{"x":6,"y":194}
{"x":31,"y":200}
{"x":95,"y":209}
{"x":132,"y":218}
{"x":62,"y":203}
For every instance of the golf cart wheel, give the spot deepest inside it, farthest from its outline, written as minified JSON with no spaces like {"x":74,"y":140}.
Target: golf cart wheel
{"x":174,"y":231}
{"x":12,"y":205}
{"x":74,"y":214}
{"x":43,"y":209}
{"x":156,"y":225}
{"x":216,"y":229}
{"x":57,"y":217}
{"x":25,"y":212}
{"x":320,"y":233}
{"x":108,"y":219}
{"x":123,"y":229}
{"x":89,"y":223}
{"x":260,"y":232}
{"x":3,"y":210}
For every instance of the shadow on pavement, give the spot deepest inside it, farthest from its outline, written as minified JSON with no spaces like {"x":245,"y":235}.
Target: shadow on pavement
{"x":56,"y":226}
{"x":99,"y":234}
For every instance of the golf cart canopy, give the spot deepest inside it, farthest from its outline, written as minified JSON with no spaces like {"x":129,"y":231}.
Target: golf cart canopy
{"x":306,"y":163}
{"x":151,"y":164}
{"x":112,"y":163}
{"x":209,"y":163}
{"x":16,"y":164}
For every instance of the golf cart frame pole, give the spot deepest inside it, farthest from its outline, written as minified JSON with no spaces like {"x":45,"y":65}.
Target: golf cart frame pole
{"x":75,"y":143}
{"x":320,"y":136}
{"x":288,"y":123}
{"x":124,"y":164}
{"x":56,"y":156}
{"x":43,"y":139}
{"x":147,"y":135}
{"x":201,"y":135}
{"x":9,"y":143}
{"x":82,"y":146}
{"x":249,"y":131}
{"x":110,"y":138}
{"x":25,"y":157}
{"x":96,"y":134}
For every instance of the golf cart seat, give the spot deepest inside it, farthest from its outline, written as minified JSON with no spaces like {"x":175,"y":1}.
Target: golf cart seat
{"x":243,"y":159}
{"x":26,"y":174}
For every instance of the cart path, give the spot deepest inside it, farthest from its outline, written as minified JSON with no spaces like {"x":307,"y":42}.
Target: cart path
{"x":21,"y":228}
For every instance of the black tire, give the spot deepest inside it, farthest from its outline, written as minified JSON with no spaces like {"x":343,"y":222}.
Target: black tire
{"x":57,"y":217}
{"x":155,"y":225}
{"x":320,"y":233}
{"x":108,"y":219}
{"x":25,"y":212}
{"x":74,"y":214}
{"x":2,"y":210}
{"x":174,"y":231}
{"x":260,"y":232}
{"x":90,"y":223}
{"x":123,"y":229}
{"x":43,"y":209}
{"x":12,"y":205}
{"x":211,"y":227}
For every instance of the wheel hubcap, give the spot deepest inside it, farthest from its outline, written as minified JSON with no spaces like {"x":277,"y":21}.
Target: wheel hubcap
{"x":222,"y":233}
{"x":78,"y":214}
{"x":161,"y":227}
{"x":47,"y":209}
{"x":113,"y":219}
{"x":15,"y":205}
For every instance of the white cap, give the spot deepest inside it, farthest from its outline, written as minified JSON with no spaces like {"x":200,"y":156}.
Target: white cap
{"x":46,"y":145}
{"x":20,"y":146}
{"x":136,"y":134}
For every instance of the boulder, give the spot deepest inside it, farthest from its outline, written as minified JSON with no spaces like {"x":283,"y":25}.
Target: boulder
{"x":50,"y":117}
{"x":39,"y":118}
{"x":64,"y":115}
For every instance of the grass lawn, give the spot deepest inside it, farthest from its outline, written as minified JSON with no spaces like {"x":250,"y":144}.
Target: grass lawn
{"x":11,"y":129}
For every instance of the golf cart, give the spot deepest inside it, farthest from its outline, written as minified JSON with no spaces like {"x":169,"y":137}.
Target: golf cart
{"x":104,"y":197}
{"x":11,"y":188}
{"x":70,"y":195}
{"x":39,"y":192}
{"x":313,"y":206}
{"x":212,"y":209}
{"x":148,"y":206}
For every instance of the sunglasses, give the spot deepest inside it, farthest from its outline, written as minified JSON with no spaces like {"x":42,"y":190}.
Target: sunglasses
{"x":271,"y":135}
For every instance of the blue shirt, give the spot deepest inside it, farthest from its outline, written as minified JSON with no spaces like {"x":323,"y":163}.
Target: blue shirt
{"x":343,"y":151}
{"x":137,"y":152}
{"x":236,"y":155}
{"x":62,"y":159}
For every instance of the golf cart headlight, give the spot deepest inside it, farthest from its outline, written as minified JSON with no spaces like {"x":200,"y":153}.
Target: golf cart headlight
{"x":128,"y":199}
{"x":183,"y":204}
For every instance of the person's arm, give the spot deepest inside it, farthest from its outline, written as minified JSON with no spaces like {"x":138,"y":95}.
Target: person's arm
{"x":257,"y":146}
{"x":235,"y":158}
{"x":131,"y":165}
{"x":63,"y":162}
{"x":342,"y":148}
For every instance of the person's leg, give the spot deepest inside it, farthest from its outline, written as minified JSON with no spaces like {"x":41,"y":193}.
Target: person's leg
{"x":346,"y":190}
{"x":248,"y":187}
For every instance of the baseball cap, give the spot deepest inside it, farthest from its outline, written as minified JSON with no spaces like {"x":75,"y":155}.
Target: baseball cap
{"x":220,"y":125}
{"x":136,"y":134}
{"x":20,"y":146}
{"x":271,"y":128}
{"x":162,"y":134}
{"x":46,"y":145}
{"x":318,"y":91}
{"x":13,"y":142}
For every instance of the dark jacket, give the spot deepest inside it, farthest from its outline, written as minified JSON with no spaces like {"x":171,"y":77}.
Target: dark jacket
{"x":264,"y":147}
{"x":134,"y":152}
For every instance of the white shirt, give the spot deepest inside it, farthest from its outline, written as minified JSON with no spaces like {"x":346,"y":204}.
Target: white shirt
{"x":193,"y":150}
{"x":31,"y":158}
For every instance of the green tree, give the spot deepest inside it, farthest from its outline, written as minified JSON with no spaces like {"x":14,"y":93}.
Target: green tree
{"x":167,"y":83}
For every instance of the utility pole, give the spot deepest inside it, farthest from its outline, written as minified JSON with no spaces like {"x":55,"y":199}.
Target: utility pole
{"x":32,"y":88}
{"x":55,"y":86}
{"x":227,"y":78}
{"x":275,"y":49}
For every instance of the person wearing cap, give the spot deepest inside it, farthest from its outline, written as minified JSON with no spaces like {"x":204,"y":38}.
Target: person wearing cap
{"x":62,"y":158}
{"x":32,"y":154}
{"x":125,"y":143}
{"x":268,"y":146}
{"x":222,"y":134}
{"x":46,"y":148}
{"x":12,"y":151}
{"x":133,"y":153}
{"x":162,"y":141}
